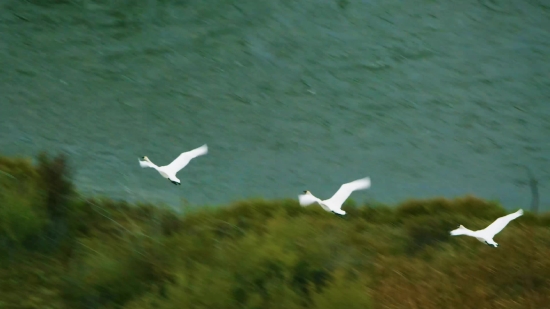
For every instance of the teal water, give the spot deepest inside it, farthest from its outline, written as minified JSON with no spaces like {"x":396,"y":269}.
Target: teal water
{"x":428,"y":98}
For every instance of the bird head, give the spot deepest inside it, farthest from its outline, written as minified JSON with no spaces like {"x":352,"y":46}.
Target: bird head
{"x":144,"y":158}
{"x":307,"y":192}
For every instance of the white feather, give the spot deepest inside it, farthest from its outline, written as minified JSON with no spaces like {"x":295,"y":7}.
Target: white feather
{"x":500,"y":223}
{"x":486,"y":235}
{"x":334,"y":204}
{"x":183,"y":159}
{"x":169,"y":171}
{"x":346,"y":189}
{"x":307,"y":199}
{"x":147,"y":164}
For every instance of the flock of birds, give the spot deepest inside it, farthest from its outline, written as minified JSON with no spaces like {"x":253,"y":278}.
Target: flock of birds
{"x":333,"y":204}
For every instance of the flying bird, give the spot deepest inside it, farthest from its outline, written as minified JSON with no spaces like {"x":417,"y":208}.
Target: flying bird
{"x":486,"y":235}
{"x":169,"y":171}
{"x":334,"y":204}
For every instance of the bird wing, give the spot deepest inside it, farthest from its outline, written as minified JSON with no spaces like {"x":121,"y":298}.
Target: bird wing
{"x":501,"y":223}
{"x":183,"y":159}
{"x":325,"y":207}
{"x":145,"y":164}
{"x":307,"y":199}
{"x":346,"y":189}
{"x":461,"y":230}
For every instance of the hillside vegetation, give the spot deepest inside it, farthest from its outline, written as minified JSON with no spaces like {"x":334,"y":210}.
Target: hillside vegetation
{"x":61,"y":250}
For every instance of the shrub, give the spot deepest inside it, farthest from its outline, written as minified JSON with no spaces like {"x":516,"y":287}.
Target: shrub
{"x":469,"y":206}
{"x":115,"y":274}
{"x":343,"y":292}
{"x":56,"y":184}
{"x":19,"y":219}
{"x":260,"y":254}
{"x":427,"y":230}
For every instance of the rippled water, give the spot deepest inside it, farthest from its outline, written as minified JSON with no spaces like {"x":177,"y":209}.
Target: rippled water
{"x":426,"y":97}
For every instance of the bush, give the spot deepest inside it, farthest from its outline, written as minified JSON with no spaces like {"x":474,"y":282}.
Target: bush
{"x":114,"y":274}
{"x":427,"y":230}
{"x":343,"y":292}
{"x":258,"y":253}
{"x":19,"y":219}
{"x":469,"y":205}
{"x":56,"y":185}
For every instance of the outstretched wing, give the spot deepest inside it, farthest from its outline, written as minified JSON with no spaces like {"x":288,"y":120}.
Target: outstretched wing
{"x":501,"y":223}
{"x":308,"y":199}
{"x":145,"y":164}
{"x":345,"y":191}
{"x":461,"y":230}
{"x":183,"y":159}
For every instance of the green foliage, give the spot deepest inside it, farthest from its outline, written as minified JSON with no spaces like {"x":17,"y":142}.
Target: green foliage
{"x":111,"y":273}
{"x":257,"y":253}
{"x":16,"y":170}
{"x":19,"y":220}
{"x":380,"y":214}
{"x":21,"y":217}
{"x":344,"y":293}
{"x":427,"y":230}
{"x":469,"y":206}
{"x":57,"y":188}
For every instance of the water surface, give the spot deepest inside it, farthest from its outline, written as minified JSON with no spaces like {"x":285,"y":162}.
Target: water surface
{"x":428,"y":98}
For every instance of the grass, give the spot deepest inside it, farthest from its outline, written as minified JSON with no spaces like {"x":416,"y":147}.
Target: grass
{"x":61,"y":250}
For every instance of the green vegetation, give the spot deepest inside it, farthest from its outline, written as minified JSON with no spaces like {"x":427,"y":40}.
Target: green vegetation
{"x":59,"y":250}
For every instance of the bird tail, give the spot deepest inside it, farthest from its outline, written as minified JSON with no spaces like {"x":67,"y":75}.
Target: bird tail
{"x":461,"y":230}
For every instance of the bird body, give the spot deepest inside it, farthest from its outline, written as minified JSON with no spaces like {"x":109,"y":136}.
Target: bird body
{"x":486,"y":235}
{"x":169,"y":171}
{"x":334,"y":204}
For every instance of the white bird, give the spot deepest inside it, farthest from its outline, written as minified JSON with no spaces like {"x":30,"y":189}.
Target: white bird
{"x":334,"y":204}
{"x":169,"y":171}
{"x":486,"y":235}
